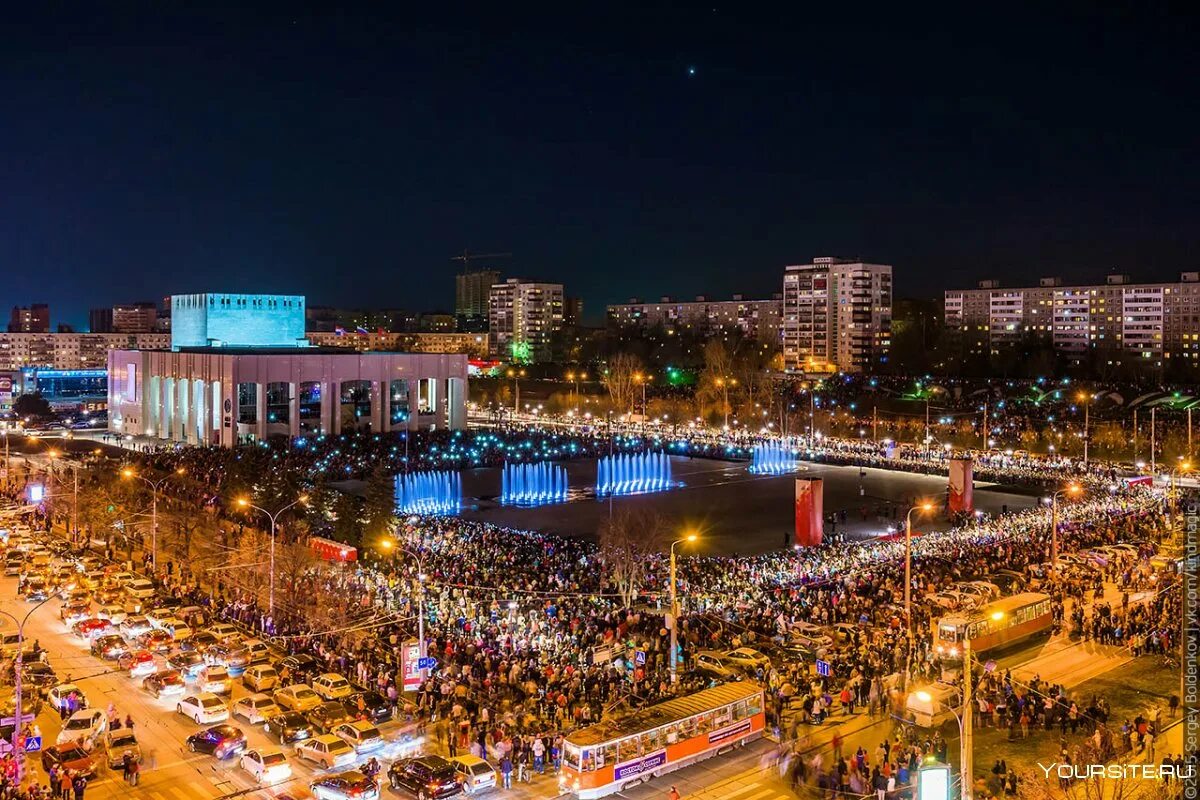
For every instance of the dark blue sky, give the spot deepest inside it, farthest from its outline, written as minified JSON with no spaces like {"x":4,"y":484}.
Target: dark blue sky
{"x":347,"y":157}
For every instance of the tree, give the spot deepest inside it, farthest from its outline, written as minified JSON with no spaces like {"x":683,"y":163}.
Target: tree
{"x":347,"y":519}
{"x":32,"y":405}
{"x":628,"y":542}
{"x":716,"y":389}
{"x":620,"y":381}
{"x":379,"y":504}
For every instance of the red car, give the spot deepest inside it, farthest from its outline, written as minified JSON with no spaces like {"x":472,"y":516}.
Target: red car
{"x":71,"y":756}
{"x":138,"y":662}
{"x":156,"y":641}
{"x":91,"y":627}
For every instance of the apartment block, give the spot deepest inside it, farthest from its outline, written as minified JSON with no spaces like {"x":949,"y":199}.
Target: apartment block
{"x":757,"y":319}
{"x":523,"y":318}
{"x":837,"y":315}
{"x":1154,"y":322}
{"x":72,"y":350}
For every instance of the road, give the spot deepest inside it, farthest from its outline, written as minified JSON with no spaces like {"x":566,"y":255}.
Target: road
{"x":170,"y":772}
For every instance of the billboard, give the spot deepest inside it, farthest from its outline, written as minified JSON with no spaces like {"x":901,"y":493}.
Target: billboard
{"x":809,"y":511}
{"x":962,"y":486}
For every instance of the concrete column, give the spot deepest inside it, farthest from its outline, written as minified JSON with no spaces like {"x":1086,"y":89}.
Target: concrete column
{"x":183,"y":425}
{"x":376,"y":407}
{"x":414,"y":402}
{"x":293,"y":410}
{"x":458,"y":404}
{"x":203,"y":413}
{"x":166,"y":420}
{"x":260,"y":411}
{"x":385,"y":406}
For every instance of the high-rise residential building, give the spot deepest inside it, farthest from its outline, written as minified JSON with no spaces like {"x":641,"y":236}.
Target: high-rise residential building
{"x":572,"y":311}
{"x":837,"y":315}
{"x":471,"y":291}
{"x":30,"y":319}
{"x":523,"y":317}
{"x":758,"y":319}
{"x":134,"y":318}
{"x":71,"y":350}
{"x":100,"y":320}
{"x":1156,"y":323}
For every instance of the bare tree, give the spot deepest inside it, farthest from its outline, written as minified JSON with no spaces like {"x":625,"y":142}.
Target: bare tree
{"x":628,"y":544}
{"x":620,"y":380}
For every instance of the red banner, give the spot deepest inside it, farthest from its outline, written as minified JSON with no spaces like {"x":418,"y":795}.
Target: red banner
{"x":329,"y":550}
{"x":962,"y":486}
{"x":809,"y":511}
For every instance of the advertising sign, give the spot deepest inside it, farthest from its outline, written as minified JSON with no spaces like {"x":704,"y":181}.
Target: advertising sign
{"x":410,"y":660}
{"x":641,"y":765}
{"x":730,"y":732}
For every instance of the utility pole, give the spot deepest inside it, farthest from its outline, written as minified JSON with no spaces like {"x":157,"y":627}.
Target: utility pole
{"x":1153,"y":441}
{"x":1135,"y":432}
{"x":691,"y":537}
{"x":968,"y":734}
{"x":875,"y":424}
{"x":985,"y":427}
{"x":1189,"y":449}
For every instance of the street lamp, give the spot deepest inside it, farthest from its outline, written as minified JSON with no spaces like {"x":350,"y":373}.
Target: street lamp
{"x":691,"y":537}
{"x":516,"y":374}
{"x":1073,"y":489}
{"x":926,"y":508}
{"x":966,"y":722}
{"x":154,"y":486}
{"x":932,"y":390}
{"x":244,"y":503}
{"x":387,"y":545}
{"x":18,"y":748}
{"x":1085,"y":398}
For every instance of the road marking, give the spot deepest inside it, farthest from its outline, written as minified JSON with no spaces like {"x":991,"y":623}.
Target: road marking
{"x":181,"y":794}
{"x":764,"y":794}
{"x":737,"y":792}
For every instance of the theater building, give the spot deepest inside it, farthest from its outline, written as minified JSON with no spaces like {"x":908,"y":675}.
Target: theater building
{"x":241,"y":370}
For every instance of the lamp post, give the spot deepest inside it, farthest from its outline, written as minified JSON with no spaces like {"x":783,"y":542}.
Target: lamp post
{"x":691,"y":537}
{"x":1073,"y":489}
{"x":18,"y":749}
{"x":387,"y":545}
{"x":1173,"y":495}
{"x":154,"y":486}
{"x":926,"y":508}
{"x":244,"y":503}
{"x":576,"y":377}
{"x":516,"y":374}
{"x":928,"y":394}
{"x":1085,"y":398}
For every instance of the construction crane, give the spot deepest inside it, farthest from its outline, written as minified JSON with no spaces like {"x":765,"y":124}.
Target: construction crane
{"x":467,"y":257}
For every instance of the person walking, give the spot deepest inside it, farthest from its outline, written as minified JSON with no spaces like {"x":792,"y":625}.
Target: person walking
{"x":506,"y":768}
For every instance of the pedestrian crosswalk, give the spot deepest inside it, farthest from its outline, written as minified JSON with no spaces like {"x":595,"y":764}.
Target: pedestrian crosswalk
{"x":750,"y":791}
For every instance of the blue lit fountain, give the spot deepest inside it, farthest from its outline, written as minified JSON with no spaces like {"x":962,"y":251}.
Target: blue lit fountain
{"x":428,"y":492}
{"x":533,"y":484}
{"x":633,"y":473}
{"x":772,"y":458}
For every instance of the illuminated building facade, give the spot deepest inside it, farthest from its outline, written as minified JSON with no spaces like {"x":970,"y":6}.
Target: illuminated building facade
{"x":837,"y":315}
{"x":523,"y":318}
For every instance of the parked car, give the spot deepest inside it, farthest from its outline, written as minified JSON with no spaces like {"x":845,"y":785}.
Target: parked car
{"x":138,"y":662}
{"x":204,"y":707}
{"x":747,"y":659}
{"x":89,"y":723}
{"x":300,"y":667}
{"x":297,"y":697}
{"x":223,"y":741}
{"x":134,"y":626}
{"x":66,"y":695}
{"x":109,"y":646}
{"x":156,"y":641}
{"x":331,"y":686}
{"x":267,"y":765}
{"x":362,"y":736}
{"x":425,"y":777}
{"x":92,"y":627}
{"x":289,"y":726}
{"x":118,"y":743}
{"x":474,"y":774}
{"x":69,"y":756}
{"x":140,"y":589}
{"x":326,"y":750}
{"x":351,"y":785}
{"x":255,"y":708}
{"x":327,"y":716}
{"x":165,"y":683}
{"x":711,"y":663}
{"x":113,"y":613}
{"x":223,"y":630}
{"x":260,"y":678}
{"x":215,"y":679}
{"x":369,"y":705}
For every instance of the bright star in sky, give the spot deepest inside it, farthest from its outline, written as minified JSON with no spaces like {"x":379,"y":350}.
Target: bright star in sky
{"x":691,"y":70}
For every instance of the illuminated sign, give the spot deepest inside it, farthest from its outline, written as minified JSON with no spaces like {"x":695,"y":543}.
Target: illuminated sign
{"x":36,"y":493}
{"x":933,"y":782}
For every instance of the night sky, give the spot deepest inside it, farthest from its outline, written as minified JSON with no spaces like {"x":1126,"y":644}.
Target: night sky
{"x":638,"y":152}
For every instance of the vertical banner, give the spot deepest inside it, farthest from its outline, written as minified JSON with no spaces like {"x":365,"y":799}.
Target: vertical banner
{"x":962,"y":486}
{"x":809,"y":511}
{"x":410,"y":655}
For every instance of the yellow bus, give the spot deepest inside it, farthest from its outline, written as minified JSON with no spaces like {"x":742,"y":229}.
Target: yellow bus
{"x":604,"y":758}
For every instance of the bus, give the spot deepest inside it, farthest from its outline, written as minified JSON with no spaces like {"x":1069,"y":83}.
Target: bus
{"x":604,"y":758}
{"x":1000,"y":622}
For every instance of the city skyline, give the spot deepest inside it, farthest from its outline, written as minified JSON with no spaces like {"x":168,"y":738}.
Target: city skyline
{"x":248,"y":151}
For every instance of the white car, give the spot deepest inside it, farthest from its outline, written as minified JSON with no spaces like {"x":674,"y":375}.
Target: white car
{"x":266,"y":766}
{"x":222,"y":630}
{"x":332,"y":686}
{"x":113,"y":613}
{"x":86,"y":724}
{"x":157,"y":616}
{"x":362,"y":736}
{"x":747,"y":658}
{"x":204,"y":707}
{"x":255,"y":708}
{"x":215,"y":679}
{"x":140,"y":589}
{"x":57,"y":696}
{"x":135,"y":626}
{"x":329,"y":751}
{"x":297,"y":697}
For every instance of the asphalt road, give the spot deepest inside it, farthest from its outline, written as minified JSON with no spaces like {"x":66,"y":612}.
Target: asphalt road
{"x":169,"y":771}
